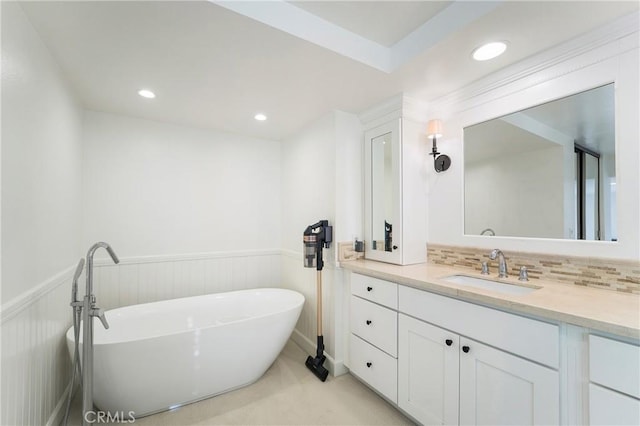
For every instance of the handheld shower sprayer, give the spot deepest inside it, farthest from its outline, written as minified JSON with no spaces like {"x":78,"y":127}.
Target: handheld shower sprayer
{"x":76,"y":276}
{"x":316,"y":237}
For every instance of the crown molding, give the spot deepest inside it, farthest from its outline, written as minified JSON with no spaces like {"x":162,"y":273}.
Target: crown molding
{"x":593,"y":47}
{"x":398,"y":106}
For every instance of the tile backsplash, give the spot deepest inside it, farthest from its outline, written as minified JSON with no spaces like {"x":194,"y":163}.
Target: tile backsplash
{"x":617,"y":275}
{"x":608,"y":274}
{"x":347,"y":252}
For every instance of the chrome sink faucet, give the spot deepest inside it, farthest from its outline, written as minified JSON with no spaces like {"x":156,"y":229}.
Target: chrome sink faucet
{"x":502,"y":262}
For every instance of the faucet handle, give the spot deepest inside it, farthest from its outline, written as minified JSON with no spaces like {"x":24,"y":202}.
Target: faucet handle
{"x":485,"y":268}
{"x":524,"y":275}
{"x":97,"y":312}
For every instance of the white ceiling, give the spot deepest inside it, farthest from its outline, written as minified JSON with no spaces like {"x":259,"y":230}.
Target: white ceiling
{"x":383,"y":22}
{"x":215,"y":64}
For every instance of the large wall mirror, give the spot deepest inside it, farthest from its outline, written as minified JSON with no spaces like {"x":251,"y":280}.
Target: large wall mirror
{"x":544,"y":172}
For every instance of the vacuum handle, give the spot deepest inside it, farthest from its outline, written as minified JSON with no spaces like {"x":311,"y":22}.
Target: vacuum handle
{"x":319,"y":301}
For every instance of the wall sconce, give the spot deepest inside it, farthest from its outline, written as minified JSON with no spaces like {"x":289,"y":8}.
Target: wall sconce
{"x":434,"y":131}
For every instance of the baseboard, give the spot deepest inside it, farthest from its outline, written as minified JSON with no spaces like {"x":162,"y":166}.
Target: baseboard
{"x":57,"y":415}
{"x":336,"y":368}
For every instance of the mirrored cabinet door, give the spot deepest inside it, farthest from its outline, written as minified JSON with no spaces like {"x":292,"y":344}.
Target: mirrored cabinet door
{"x":383,"y":214}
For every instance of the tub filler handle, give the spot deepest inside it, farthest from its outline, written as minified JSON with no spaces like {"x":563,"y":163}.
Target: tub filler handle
{"x":98,"y":312}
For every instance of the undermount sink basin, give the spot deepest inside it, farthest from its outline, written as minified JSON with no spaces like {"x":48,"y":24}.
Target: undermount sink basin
{"x":501,"y":287}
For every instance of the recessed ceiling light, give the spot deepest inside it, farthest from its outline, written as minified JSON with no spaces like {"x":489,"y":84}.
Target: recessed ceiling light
{"x":146,"y":94}
{"x":260,"y":117}
{"x":489,"y":51}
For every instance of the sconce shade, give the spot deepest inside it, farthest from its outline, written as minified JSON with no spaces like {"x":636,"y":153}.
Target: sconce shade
{"x":434,"y":129}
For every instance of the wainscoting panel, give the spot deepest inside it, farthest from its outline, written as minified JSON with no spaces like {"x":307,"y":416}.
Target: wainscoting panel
{"x":35,"y":361}
{"x":143,"y":280}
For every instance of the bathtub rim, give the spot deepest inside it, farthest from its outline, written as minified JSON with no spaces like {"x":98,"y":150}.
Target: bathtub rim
{"x":71,"y":338}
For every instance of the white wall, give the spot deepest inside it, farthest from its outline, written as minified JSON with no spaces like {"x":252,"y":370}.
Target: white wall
{"x":308,"y":195}
{"x":154,"y":188}
{"x":570,"y":68}
{"x":41,"y":161}
{"x":349,"y":185}
{"x":321,"y":180}
{"x":41,"y":212}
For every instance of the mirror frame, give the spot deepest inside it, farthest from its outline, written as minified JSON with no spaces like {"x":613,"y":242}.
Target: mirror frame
{"x":539,"y":87}
{"x":567,"y":212}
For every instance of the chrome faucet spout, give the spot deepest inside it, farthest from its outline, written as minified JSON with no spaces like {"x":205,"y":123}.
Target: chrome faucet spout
{"x":90,"y":254}
{"x":488,"y":231}
{"x":502,"y":262}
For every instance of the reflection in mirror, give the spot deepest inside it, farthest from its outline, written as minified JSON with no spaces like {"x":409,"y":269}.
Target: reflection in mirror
{"x":382,"y":193}
{"x":544,"y":172}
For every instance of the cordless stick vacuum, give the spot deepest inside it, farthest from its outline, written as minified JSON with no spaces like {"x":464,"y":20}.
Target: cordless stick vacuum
{"x":315,"y":237}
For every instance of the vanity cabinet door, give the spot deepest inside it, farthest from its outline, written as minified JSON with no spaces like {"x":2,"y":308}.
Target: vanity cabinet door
{"x":608,"y":407}
{"x":497,"y":388}
{"x":427,"y":372}
{"x":614,"y":373}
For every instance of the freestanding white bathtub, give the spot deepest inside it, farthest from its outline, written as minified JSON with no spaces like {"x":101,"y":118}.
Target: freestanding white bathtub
{"x":157,"y":356}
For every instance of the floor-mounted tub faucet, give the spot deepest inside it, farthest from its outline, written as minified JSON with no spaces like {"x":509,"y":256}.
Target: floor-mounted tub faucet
{"x":502,"y":262}
{"x":90,"y":310}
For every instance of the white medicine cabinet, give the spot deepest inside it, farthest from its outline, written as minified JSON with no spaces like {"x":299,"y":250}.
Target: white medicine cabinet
{"x":395,"y":177}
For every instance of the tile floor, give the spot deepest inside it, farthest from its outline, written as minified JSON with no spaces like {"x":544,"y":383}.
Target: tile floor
{"x":288,"y":394}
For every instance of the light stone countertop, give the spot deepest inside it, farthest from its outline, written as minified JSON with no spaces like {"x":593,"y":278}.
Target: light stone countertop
{"x":603,"y":310}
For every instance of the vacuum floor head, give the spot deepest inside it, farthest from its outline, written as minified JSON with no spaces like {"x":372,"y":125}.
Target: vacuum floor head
{"x":315,"y":365}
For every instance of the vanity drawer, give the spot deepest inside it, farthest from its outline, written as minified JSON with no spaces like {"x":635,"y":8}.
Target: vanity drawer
{"x":615,"y":365}
{"x":375,"y":324}
{"x":536,"y":340}
{"x":375,"y":367}
{"x":374,"y":289}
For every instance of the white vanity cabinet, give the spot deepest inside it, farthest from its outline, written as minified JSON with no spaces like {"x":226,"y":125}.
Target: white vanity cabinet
{"x":442,"y":375}
{"x":373,"y":338}
{"x":395,"y":164}
{"x":614,"y":376}
{"x":445,"y":377}
{"x":454,"y":362}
